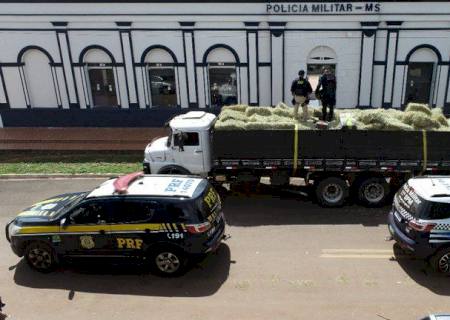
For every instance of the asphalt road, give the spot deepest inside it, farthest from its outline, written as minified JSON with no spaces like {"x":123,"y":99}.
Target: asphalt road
{"x":287,"y":259}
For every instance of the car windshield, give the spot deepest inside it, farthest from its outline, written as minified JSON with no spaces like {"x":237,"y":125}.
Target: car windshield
{"x":69,"y":206}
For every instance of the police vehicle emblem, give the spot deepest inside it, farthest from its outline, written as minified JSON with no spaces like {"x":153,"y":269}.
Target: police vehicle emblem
{"x":87,"y":242}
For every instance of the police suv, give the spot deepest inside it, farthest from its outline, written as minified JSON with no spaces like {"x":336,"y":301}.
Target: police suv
{"x":164,"y":220}
{"x":420,"y":219}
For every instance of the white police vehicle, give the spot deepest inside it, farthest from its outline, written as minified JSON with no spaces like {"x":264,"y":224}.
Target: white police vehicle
{"x":420,"y":219}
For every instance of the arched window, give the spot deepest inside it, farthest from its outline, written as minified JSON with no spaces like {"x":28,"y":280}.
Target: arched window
{"x":40,"y":85}
{"x":319,"y":58}
{"x":161,"y":76}
{"x":422,"y":64}
{"x":223,"y":80}
{"x":101,"y":79}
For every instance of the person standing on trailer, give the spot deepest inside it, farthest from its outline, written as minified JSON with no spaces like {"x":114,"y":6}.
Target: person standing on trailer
{"x":301,"y":89}
{"x":326,"y":92}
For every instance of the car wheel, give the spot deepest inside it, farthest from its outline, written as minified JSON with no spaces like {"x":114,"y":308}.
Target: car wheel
{"x":441,"y":261}
{"x":332,"y":192}
{"x":41,"y":257}
{"x":168,"y":262}
{"x":373,"y":192}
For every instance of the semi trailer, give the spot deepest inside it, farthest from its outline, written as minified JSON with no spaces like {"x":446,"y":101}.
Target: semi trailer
{"x":334,"y":164}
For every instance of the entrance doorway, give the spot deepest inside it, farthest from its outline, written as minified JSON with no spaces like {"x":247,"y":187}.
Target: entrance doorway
{"x":419,"y":80}
{"x":103,"y":87}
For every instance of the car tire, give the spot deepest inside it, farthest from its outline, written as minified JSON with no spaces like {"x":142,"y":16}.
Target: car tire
{"x":332,"y":192}
{"x":168,"y":261}
{"x":373,"y":192}
{"x":41,"y":257}
{"x":440,"y":262}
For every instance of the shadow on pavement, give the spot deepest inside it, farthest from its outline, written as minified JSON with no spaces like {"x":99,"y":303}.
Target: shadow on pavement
{"x":286,"y":208}
{"x":203,"y":279}
{"x":421,"y":272}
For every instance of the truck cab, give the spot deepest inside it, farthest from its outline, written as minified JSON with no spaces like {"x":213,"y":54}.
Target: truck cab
{"x":187,"y":149}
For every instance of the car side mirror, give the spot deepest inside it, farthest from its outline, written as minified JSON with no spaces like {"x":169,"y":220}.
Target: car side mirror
{"x":64,"y":222}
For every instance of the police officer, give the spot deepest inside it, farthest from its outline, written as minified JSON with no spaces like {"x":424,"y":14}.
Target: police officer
{"x":301,"y":89}
{"x":326,"y":91}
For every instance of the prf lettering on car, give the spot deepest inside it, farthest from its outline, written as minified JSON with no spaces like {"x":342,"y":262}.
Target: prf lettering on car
{"x":211,"y":198}
{"x":173,"y":185}
{"x":129,"y":243}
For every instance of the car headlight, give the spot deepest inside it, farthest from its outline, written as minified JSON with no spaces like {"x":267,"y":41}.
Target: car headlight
{"x":13,"y":229}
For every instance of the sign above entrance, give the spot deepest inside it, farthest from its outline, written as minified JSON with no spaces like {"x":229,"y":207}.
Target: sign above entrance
{"x":323,"y":8}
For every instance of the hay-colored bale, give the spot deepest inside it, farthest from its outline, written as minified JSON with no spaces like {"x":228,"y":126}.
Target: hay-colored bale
{"x":282,"y":105}
{"x":230,"y":114}
{"x":262,"y":111}
{"x":257,"y":118}
{"x":283,"y":112}
{"x":420,"y":121}
{"x":237,"y":107}
{"x":396,"y":124}
{"x":418,"y":107}
{"x":394,"y":113}
{"x":230,"y":125}
{"x":438,"y":115}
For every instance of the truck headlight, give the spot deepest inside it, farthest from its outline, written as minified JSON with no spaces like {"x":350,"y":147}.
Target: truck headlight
{"x":13,"y":229}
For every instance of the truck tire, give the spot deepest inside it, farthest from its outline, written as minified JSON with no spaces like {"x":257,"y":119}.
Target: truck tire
{"x":173,"y":170}
{"x":168,"y":261}
{"x":373,"y":192}
{"x":40,"y":256}
{"x":440,"y":262}
{"x":332,"y":192}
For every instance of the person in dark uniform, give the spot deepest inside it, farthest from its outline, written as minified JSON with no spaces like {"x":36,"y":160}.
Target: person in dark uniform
{"x":326,"y":92}
{"x":301,"y":89}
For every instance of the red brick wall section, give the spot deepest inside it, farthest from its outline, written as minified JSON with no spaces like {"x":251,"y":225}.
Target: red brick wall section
{"x":78,"y":138}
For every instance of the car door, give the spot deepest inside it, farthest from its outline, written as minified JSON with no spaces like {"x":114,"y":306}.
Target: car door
{"x":85,"y":232}
{"x":131,"y":229}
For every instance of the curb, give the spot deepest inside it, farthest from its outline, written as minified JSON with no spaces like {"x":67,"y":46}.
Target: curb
{"x":57,"y":176}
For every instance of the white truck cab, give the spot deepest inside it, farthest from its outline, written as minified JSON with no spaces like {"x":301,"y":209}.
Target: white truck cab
{"x":187,"y":150}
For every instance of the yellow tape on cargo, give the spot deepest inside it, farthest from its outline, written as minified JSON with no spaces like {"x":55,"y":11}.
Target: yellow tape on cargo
{"x":295,"y":149}
{"x":425,"y":150}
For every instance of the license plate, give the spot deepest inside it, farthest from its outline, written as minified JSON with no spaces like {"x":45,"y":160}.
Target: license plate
{"x":397,"y":216}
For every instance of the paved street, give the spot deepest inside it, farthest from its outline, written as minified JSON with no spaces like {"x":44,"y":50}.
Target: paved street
{"x":287,"y":259}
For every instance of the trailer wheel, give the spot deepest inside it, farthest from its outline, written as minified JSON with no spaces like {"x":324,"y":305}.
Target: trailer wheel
{"x":332,"y":192}
{"x":373,"y":192}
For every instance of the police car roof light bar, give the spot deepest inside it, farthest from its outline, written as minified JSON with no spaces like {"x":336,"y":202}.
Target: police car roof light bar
{"x":122,"y":183}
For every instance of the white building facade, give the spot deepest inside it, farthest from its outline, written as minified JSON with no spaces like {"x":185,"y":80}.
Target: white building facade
{"x":138,"y":63}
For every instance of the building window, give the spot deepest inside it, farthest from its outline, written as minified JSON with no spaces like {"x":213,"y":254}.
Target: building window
{"x":223,"y":84}
{"x":421,"y":76}
{"x":162,"y":85}
{"x":223,"y":80}
{"x":99,"y":68}
{"x":318,"y":59}
{"x":161,"y":78}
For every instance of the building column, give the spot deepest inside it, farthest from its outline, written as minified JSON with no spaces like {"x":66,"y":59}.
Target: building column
{"x":190,"y":63}
{"x":4,"y":101}
{"x":390,"y":60}
{"x":67,"y":62}
{"x":253,"y":62}
{"x":126,"y":44}
{"x":367,"y":54}
{"x":277,"y":61}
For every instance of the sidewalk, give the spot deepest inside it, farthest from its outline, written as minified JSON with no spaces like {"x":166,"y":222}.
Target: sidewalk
{"x":78,"y":138}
